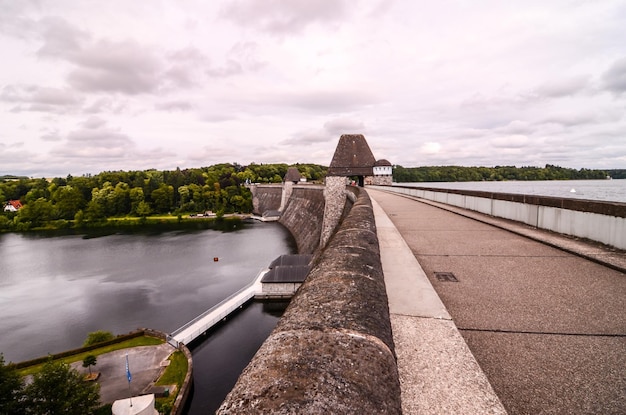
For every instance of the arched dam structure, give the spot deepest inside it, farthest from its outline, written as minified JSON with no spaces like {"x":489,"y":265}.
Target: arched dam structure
{"x":332,"y":351}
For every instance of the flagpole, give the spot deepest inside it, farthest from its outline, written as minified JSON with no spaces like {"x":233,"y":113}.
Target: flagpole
{"x":128,"y":376}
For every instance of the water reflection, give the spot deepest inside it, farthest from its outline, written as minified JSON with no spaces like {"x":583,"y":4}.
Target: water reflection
{"x":221,"y":356}
{"x":55,"y":290}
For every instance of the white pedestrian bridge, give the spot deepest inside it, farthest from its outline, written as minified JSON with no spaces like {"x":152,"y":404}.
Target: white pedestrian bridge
{"x":199,"y":325}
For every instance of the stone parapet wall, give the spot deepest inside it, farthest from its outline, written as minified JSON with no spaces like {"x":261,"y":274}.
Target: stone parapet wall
{"x":332,"y":351}
{"x":335,"y":197}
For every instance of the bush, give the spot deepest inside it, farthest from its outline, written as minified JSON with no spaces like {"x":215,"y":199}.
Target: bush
{"x":98,"y":337}
{"x":58,"y":389}
{"x":11,"y":390}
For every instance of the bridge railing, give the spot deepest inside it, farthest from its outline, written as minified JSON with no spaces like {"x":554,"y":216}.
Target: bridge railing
{"x":217,"y":317}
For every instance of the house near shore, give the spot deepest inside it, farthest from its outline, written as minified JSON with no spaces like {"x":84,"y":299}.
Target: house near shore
{"x":12,"y":206}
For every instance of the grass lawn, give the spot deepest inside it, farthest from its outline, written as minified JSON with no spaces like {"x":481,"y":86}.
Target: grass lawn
{"x":174,"y":375}
{"x":134,"y":342}
{"x":137,"y":219}
{"x":176,"y":371}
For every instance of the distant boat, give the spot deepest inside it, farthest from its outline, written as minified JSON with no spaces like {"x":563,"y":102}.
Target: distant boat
{"x":573,"y":190}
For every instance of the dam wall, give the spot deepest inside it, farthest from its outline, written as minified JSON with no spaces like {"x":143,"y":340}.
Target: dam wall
{"x":332,"y":351}
{"x":266,"y":197}
{"x":599,"y":221}
{"x":303,"y":215}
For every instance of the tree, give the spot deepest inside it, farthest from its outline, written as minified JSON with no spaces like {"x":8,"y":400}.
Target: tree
{"x":36,"y":212}
{"x":136,"y":197}
{"x":163,"y":198}
{"x":143,"y":209}
{"x":58,"y":389}
{"x":68,"y":201}
{"x":94,"y":211}
{"x":79,"y":218}
{"x":98,"y":337}
{"x":120,"y":199}
{"x":88,"y":361}
{"x":185,"y":194}
{"x":11,"y":390}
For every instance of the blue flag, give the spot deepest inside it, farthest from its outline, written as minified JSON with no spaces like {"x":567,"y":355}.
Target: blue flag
{"x":127,"y":369}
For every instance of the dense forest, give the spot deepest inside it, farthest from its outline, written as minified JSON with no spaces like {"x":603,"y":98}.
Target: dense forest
{"x":91,"y":199}
{"x":467,"y":174}
{"x":88,"y":199}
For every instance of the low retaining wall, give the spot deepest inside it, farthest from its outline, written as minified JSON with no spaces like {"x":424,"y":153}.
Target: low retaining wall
{"x":598,"y":221}
{"x":183,"y":394}
{"x":332,"y":351}
{"x":118,"y":339}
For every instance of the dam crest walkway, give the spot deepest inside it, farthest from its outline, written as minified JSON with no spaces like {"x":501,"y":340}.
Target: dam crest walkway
{"x":490,"y":317}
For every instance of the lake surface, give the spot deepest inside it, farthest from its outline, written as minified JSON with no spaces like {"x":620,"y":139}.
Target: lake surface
{"x":216,"y":366}
{"x":55,"y":290}
{"x":605,"y":190}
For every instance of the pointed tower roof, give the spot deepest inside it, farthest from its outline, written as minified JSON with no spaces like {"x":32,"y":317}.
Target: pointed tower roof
{"x":353,"y":157}
{"x":293,"y":175}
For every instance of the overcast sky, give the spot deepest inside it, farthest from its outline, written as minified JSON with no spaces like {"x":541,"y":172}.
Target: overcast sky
{"x":88,"y":86}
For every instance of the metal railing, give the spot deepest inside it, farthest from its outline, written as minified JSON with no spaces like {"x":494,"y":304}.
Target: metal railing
{"x":220,"y":311}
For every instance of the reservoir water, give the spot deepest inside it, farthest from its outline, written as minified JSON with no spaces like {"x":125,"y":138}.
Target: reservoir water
{"x":55,"y":290}
{"x":605,"y":190}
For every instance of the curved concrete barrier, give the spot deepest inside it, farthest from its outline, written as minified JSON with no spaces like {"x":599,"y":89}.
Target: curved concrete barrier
{"x":332,"y":351}
{"x":599,"y":221}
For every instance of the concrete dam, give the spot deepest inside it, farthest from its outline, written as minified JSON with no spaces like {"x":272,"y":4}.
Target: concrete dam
{"x":367,"y":333}
{"x":332,"y":351}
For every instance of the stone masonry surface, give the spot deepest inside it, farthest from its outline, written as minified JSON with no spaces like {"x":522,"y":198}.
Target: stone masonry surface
{"x":332,"y":351}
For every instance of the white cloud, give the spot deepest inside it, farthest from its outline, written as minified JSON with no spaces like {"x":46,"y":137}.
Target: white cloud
{"x":430,"y":148}
{"x":510,"y":142}
{"x":106,"y":66}
{"x":93,"y":123}
{"x":174,"y":105}
{"x":557,"y":88}
{"x":284,"y":17}
{"x":615,"y":77}
{"x":194,"y":83}
{"x":40,"y":99}
{"x":344,"y":125}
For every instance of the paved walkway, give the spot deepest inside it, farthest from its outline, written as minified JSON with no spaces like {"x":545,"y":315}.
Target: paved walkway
{"x":546,"y":327}
{"x":146,"y":364}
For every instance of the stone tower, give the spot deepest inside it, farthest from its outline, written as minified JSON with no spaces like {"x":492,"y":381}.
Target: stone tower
{"x":352,"y":157}
{"x":292,"y":177}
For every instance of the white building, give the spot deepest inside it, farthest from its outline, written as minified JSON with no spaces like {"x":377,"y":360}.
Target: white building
{"x":383,"y":173}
